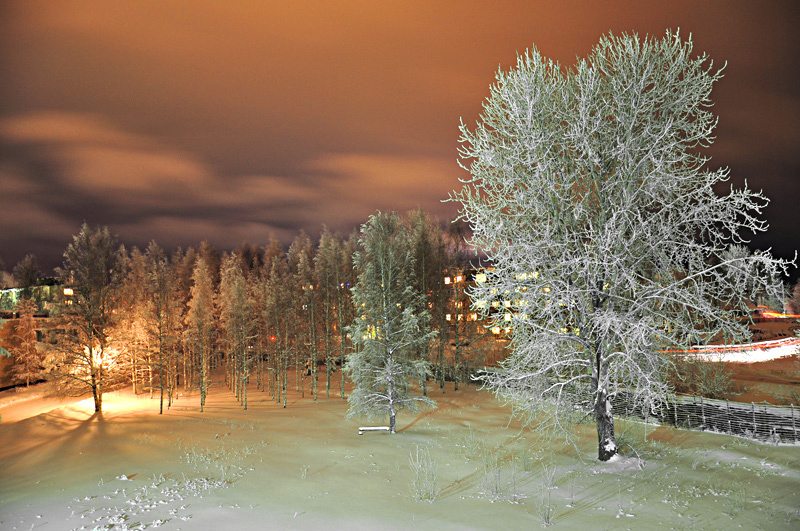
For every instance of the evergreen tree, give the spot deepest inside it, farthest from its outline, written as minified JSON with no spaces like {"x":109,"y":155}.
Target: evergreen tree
{"x":391,"y":324}
{"x":26,"y":274}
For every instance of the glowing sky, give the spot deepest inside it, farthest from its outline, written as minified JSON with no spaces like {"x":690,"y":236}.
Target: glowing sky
{"x":185,"y":120}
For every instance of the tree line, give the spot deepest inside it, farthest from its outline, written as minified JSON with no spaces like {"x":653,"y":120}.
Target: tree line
{"x":263,"y":315}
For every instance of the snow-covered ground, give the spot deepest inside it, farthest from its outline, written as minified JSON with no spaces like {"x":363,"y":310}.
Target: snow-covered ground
{"x":306,"y":467}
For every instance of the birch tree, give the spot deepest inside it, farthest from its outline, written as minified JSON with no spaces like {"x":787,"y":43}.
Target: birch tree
{"x":201,"y":332}
{"x":590,"y":194}
{"x":238,"y":318}
{"x":164,"y":313}
{"x":391,"y":324}
{"x":301,"y":263}
{"x":326,"y":270}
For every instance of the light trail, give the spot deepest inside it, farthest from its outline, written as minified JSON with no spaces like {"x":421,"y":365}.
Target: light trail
{"x":747,"y":352}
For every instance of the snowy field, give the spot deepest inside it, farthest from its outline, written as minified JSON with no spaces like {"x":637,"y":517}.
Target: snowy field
{"x":306,"y":467}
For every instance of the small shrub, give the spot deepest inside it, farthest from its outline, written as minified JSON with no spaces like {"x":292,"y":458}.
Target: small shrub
{"x":469,"y":446}
{"x":711,"y":379}
{"x":423,"y":475}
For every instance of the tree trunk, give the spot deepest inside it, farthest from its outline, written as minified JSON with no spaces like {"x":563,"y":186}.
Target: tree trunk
{"x":97,"y":395}
{"x":392,"y":422}
{"x":603,"y":413}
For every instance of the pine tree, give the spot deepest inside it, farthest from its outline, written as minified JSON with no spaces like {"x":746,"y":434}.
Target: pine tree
{"x":391,"y":324}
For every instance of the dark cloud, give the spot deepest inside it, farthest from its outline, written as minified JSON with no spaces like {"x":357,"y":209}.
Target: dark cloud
{"x":228,"y":121}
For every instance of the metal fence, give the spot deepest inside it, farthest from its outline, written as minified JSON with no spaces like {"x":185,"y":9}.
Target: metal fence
{"x":764,"y":422}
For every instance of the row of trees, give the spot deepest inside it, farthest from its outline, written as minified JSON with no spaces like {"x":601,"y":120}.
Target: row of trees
{"x":158,"y":322}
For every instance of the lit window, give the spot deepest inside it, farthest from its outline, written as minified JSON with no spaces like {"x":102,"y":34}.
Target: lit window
{"x":480,"y":278}
{"x":68,"y":291}
{"x":447,"y":316}
{"x":458,"y":278}
{"x":447,"y":280}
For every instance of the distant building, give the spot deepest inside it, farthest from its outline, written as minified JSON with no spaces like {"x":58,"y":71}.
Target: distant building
{"x":44,"y":296}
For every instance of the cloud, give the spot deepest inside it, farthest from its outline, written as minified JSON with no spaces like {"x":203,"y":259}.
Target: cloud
{"x":50,"y":127}
{"x":67,"y":168}
{"x":357,"y":185}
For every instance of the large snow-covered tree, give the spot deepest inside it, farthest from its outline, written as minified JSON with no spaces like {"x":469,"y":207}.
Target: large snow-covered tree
{"x":391,"y":323}
{"x":589,"y":193}
{"x":82,"y":359}
{"x":27,"y":358}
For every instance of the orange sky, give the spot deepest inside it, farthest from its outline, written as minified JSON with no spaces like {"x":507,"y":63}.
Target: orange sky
{"x":188,"y":120}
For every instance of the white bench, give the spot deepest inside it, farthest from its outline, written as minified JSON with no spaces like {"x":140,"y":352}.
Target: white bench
{"x":362,"y":429}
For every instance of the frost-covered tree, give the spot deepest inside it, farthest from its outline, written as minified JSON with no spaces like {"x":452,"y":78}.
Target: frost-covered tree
{"x":132,"y":324}
{"x":280,"y":312}
{"x":238,"y":319}
{"x":305,"y":295}
{"x":327,"y":271}
{"x":793,"y":301}
{"x":82,"y":359}
{"x":589,"y":193}
{"x":201,"y":330}
{"x":27,"y":273}
{"x":163,"y":312}
{"x":27,"y":358}
{"x":391,"y":323}
{"x":344,"y":301}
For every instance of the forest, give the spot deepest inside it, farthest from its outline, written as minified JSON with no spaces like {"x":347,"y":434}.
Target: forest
{"x":263,"y":315}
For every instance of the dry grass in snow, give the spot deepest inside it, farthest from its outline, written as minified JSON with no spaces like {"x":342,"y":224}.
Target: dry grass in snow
{"x":306,"y":467}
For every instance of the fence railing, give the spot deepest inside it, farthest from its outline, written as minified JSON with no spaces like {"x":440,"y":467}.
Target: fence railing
{"x":756,"y":421}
